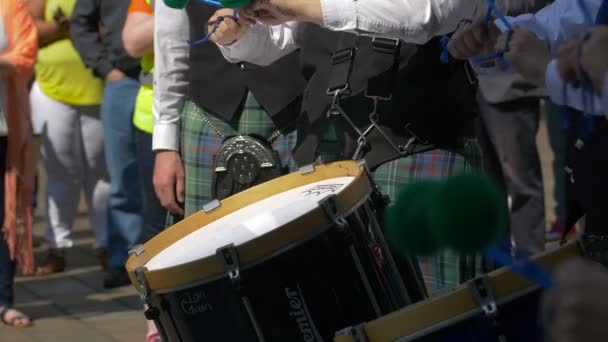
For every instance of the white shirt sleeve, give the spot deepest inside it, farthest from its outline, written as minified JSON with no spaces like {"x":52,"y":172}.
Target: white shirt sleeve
{"x":414,"y":21}
{"x":171,"y":67}
{"x":262,"y":45}
{"x":556,"y":23}
{"x":573,"y":96}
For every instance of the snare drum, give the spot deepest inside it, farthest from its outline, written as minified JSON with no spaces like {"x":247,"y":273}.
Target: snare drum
{"x":293,"y":259}
{"x":501,"y":307}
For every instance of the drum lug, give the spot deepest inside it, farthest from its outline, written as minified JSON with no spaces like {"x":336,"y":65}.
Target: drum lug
{"x":356,"y":333}
{"x":137,"y":250}
{"x":229,"y":257}
{"x":142,"y":285}
{"x":152,"y":312}
{"x":211,"y":206}
{"x":332,"y":209}
{"x":304,"y":170}
{"x":483,"y":293}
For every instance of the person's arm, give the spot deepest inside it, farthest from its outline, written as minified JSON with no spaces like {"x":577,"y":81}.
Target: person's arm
{"x":138,"y":32}
{"x":20,"y":55}
{"x":171,"y":71}
{"x":171,"y":74}
{"x":415,"y":21}
{"x":48,"y":31}
{"x":261,"y":44}
{"x":556,"y":23}
{"x":84,"y":29}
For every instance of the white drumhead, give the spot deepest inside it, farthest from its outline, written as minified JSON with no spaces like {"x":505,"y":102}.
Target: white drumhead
{"x":247,"y":223}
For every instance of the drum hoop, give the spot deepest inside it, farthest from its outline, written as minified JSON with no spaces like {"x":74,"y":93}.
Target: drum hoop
{"x":466,"y":315}
{"x":292,"y":245}
{"x":456,"y":305}
{"x":262,"y":247}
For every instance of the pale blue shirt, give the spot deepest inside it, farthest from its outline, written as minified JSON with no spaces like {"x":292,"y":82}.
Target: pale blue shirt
{"x":556,"y":24}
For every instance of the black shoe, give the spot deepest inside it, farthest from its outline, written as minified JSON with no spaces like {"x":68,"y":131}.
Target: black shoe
{"x":115,"y":278}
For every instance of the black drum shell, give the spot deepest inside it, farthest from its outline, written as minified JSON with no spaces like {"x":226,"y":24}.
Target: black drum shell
{"x":304,"y":294}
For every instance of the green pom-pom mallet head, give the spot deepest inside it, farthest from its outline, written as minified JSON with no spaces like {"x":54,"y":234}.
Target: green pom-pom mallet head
{"x":235,"y":3}
{"x":468,"y":214}
{"x":177,"y":4}
{"x":406,"y":223}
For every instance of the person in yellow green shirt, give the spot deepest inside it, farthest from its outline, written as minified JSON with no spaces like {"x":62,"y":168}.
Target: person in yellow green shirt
{"x":66,"y":99}
{"x":137,"y":36}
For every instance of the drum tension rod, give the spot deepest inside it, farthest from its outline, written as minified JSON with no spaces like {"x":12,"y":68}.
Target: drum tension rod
{"x":332,"y":209}
{"x":143,"y":288}
{"x":483,"y":293}
{"x":229,"y":257}
{"x":356,"y":333}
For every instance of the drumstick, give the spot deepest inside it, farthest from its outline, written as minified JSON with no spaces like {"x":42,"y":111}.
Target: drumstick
{"x":525,"y":267}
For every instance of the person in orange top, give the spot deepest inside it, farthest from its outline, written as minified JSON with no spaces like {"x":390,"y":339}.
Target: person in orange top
{"x":18,"y":49}
{"x":138,"y":40}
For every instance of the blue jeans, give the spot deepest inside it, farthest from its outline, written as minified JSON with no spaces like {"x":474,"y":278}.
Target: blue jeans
{"x":7,"y":266}
{"x":154,"y":214}
{"x":125,"y":219}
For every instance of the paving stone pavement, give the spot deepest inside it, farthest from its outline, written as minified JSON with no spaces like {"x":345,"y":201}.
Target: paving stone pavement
{"x":74,"y":307}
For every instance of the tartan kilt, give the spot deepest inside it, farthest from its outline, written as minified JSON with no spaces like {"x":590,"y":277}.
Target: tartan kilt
{"x":441,"y":272}
{"x":200,"y":143}
{"x":445,"y":270}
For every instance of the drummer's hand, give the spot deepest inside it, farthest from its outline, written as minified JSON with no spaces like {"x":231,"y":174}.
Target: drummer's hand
{"x":578,"y":303}
{"x":473,"y":40}
{"x":593,"y":59}
{"x":527,"y":55}
{"x":229,"y":30}
{"x":169,"y":181}
{"x":274,"y":12}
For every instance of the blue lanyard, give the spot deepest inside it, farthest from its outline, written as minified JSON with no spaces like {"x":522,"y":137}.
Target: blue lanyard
{"x":492,"y":9}
{"x":587,"y":93}
{"x":212,"y":3}
{"x":216,"y":24}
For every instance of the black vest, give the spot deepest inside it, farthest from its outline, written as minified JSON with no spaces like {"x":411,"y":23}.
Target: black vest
{"x":435,"y":100}
{"x":220,"y":87}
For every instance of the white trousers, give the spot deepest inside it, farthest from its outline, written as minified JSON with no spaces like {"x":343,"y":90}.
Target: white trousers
{"x":73,"y":155}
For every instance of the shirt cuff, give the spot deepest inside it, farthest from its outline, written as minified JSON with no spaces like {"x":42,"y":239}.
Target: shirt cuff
{"x":166,"y":137}
{"x":554,"y":83}
{"x":340,"y":15}
{"x":231,"y":52}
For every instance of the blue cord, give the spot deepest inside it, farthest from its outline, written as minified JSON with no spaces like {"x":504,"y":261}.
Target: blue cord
{"x":524,"y":267}
{"x":445,"y":40}
{"x":217,"y":23}
{"x":212,"y":3}
{"x":493,"y":8}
